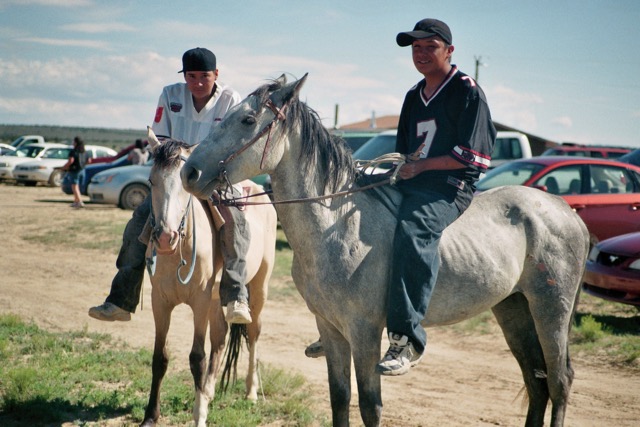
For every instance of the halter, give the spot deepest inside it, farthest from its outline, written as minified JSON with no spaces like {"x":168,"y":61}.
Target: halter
{"x":278,"y":116}
{"x":182,"y":235}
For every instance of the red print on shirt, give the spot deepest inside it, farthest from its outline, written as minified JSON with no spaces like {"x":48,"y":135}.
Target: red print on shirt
{"x":158,"y":114}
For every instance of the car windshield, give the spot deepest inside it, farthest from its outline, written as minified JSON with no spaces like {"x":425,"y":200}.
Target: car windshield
{"x":28,"y":151}
{"x":376,"y":147}
{"x":513,"y":173}
{"x":57,"y":153}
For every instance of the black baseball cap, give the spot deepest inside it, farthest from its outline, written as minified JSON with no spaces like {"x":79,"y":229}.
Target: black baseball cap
{"x":424,"y":29}
{"x":198,"y":59}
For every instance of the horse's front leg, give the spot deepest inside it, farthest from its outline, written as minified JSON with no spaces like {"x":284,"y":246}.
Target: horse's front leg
{"x":198,"y":360}
{"x":338,"y":358}
{"x":162,"y":319}
{"x":366,"y":353}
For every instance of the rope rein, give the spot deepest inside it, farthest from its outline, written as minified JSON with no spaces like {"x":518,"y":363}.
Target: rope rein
{"x":362,"y":165}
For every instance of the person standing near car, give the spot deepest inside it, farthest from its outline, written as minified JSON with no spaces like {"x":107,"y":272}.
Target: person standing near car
{"x":138,"y":156}
{"x":187,"y":112}
{"x":75,"y":167}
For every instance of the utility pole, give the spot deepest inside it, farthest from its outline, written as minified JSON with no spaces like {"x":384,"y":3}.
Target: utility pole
{"x":478,"y":64}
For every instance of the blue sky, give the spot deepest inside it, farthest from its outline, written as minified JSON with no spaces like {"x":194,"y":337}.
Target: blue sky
{"x":566,"y":70}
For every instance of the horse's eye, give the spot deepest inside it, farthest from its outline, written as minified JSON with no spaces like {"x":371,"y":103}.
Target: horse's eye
{"x":150,"y":183}
{"x":249,"y":120}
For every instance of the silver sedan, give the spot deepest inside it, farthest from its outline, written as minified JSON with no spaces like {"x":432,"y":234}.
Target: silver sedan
{"x":126,"y":186}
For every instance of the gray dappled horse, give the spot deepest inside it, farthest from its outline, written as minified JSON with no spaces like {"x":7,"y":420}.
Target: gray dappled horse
{"x":182,"y":227}
{"x":517,"y":250}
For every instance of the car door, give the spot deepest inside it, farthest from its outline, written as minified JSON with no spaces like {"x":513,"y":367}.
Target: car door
{"x":612,"y":206}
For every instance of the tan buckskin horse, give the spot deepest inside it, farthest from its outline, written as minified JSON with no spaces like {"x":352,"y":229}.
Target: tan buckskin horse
{"x":516,"y":250}
{"x":185,"y":273}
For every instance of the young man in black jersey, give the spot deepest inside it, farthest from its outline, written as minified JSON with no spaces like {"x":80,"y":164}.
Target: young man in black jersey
{"x":446,"y":131}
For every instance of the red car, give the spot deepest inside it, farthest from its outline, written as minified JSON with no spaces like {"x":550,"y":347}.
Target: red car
{"x":613,"y":270}
{"x":587,"y":151}
{"x":605,"y":193}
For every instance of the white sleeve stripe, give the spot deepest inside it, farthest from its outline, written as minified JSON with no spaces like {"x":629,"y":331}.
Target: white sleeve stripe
{"x":470,"y":157}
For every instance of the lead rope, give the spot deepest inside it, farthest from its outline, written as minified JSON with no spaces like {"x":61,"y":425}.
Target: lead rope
{"x":397,"y":158}
{"x":183,"y":262}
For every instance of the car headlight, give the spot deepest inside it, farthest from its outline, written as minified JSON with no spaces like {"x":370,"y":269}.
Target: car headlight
{"x":635,"y":265}
{"x":102,"y":179}
{"x":593,"y":255}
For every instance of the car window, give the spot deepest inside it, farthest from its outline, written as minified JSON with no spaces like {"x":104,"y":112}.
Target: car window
{"x":28,"y":151}
{"x":514,"y":173}
{"x":376,"y":147}
{"x":562,"y":180}
{"x":57,"y":153}
{"x":610,"y":180}
{"x":506,"y":149}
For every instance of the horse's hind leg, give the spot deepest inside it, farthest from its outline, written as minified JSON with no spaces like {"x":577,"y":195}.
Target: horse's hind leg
{"x":519,"y":330}
{"x":553,"y":317}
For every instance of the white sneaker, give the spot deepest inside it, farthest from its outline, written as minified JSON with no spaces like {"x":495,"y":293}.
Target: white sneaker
{"x":238,"y":312}
{"x":400,"y":357}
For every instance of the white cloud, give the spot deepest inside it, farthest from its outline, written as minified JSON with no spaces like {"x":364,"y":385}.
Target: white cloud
{"x":98,"y":27}
{"x":96,"y":44}
{"x":513,"y":108}
{"x":563,"y":121}
{"x":54,"y":3}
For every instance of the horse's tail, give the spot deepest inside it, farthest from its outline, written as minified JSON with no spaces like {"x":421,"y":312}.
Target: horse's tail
{"x":237,"y":332}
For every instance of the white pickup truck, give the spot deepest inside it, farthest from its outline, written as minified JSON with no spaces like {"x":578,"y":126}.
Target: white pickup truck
{"x":509,"y":146}
{"x":26,"y":140}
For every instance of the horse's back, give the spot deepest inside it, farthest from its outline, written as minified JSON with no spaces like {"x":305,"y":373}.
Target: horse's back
{"x":500,"y":245}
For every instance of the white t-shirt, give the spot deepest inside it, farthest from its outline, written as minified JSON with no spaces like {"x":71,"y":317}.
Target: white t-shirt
{"x":177,"y":118}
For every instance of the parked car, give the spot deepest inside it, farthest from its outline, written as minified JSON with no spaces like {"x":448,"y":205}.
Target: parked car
{"x":355,"y":139}
{"x":122,"y":153}
{"x":124,"y":186}
{"x":613,"y":270}
{"x":128,"y":186}
{"x":27,"y":140}
{"x":508,"y":146}
{"x":601,"y":152}
{"x":47,"y":168}
{"x":89,"y":172}
{"x":6,"y":149}
{"x":632,"y":157}
{"x":605,"y":193}
{"x":23,"y":154}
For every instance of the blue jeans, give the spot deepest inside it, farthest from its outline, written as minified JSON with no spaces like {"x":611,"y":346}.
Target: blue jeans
{"x":423,"y":216}
{"x":235,"y":238}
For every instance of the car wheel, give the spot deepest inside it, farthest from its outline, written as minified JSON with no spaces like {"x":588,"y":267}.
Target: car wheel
{"x":55,"y":180}
{"x":133,"y":196}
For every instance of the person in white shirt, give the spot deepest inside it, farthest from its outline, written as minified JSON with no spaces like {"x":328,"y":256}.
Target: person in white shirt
{"x":187,"y":112}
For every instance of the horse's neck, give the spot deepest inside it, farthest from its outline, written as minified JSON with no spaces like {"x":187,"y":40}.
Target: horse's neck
{"x":304,"y":217}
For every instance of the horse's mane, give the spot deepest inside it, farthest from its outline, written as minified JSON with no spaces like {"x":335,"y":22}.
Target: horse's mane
{"x":168,"y":154}
{"x":320,"y":149}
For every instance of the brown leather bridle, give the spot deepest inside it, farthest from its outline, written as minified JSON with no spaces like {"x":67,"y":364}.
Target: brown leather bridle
{"x":278,"y":116}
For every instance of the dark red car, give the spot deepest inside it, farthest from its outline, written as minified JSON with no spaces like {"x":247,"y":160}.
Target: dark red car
{"x":605,"y":193}
{"x":601,"y":152}
{"x":613,"y":270}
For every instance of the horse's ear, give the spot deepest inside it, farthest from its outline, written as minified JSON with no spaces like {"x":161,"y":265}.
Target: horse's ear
{"x":289,"y":91}
{"x":153,"y":140}
{"x":282,"y":80}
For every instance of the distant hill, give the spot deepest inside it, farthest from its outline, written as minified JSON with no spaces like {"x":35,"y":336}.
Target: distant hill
{"x":113,"y":138}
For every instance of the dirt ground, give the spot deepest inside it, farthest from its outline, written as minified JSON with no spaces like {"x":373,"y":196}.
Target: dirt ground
{"x":463,"y":380}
